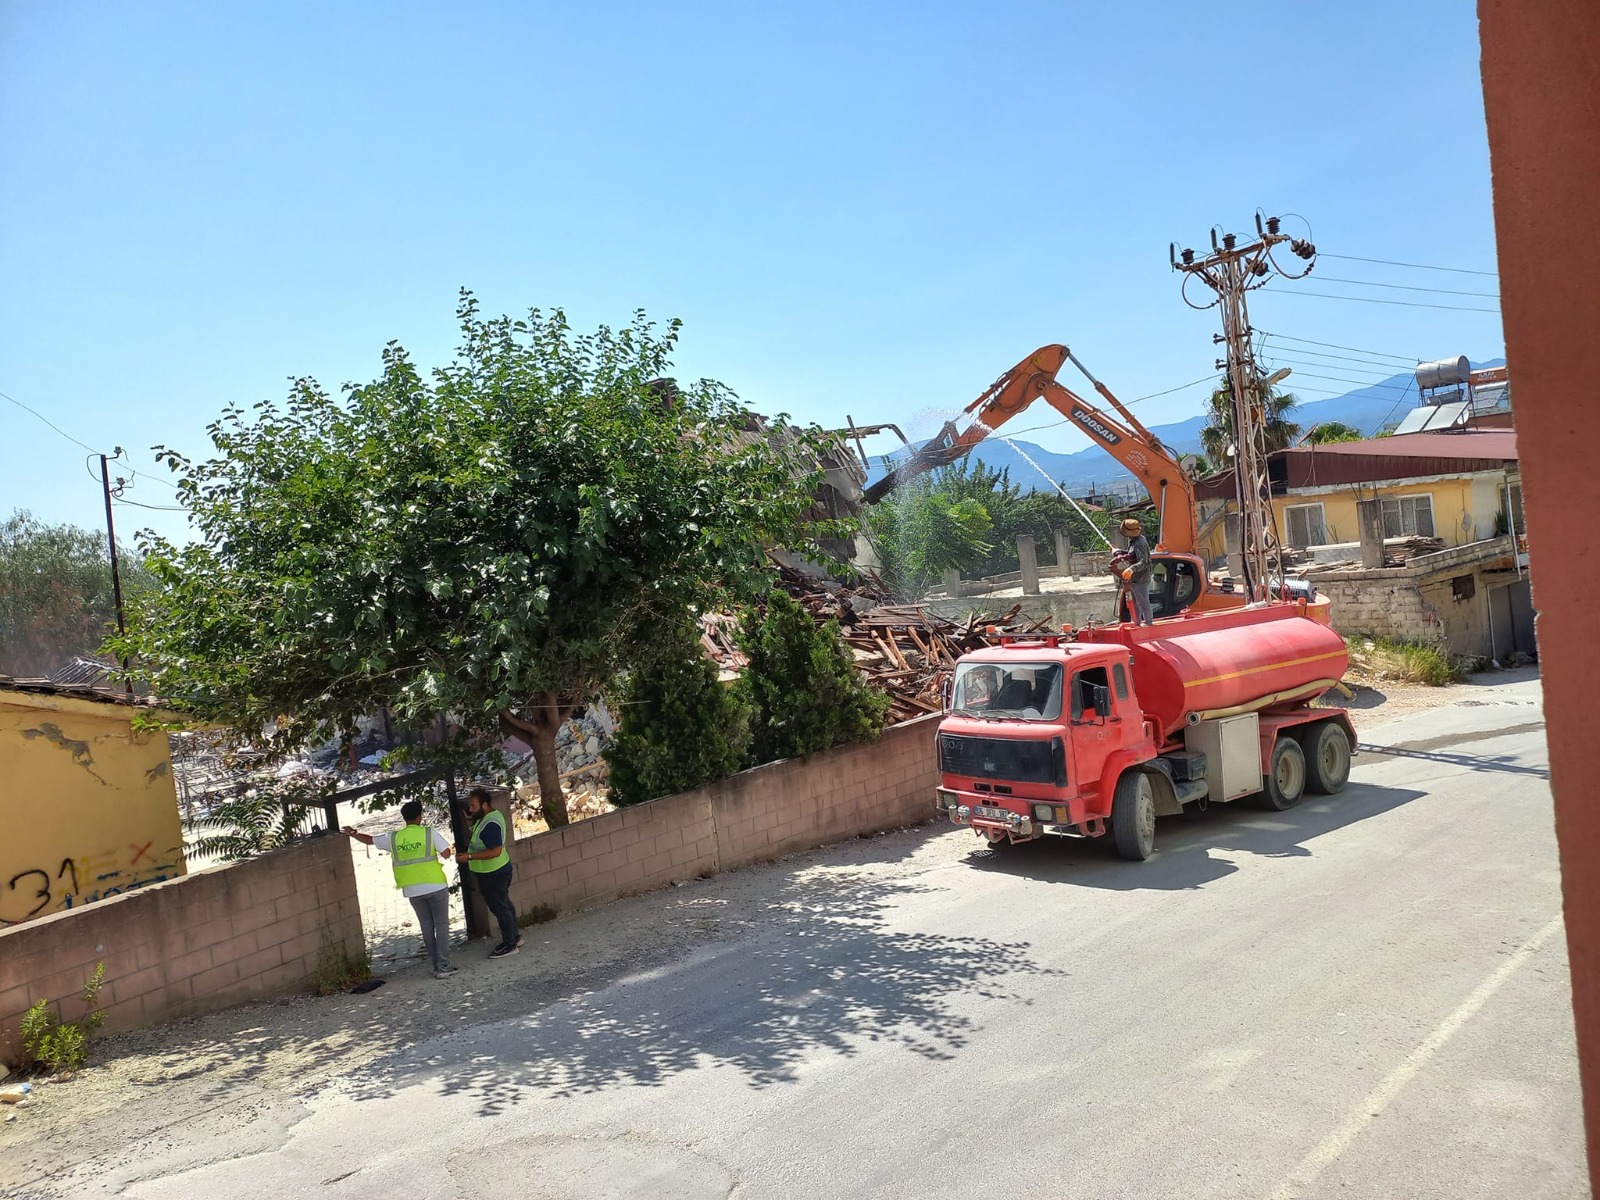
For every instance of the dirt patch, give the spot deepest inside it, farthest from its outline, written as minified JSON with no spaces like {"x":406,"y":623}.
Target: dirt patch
{"x":1379,"y":699}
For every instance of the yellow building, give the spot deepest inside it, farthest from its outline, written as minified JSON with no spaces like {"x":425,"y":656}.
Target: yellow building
{"x":87,"y":802}
{"x":1453,"y":486}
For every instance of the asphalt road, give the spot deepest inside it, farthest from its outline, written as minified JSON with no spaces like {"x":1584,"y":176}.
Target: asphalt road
{"x":1366,"y":996}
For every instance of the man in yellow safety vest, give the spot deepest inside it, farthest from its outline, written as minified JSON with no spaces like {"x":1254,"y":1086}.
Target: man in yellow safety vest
{"x":488,"y":857}
{"x":419,"y":875}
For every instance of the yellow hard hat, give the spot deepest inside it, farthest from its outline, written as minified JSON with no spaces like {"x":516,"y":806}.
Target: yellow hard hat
{"x":1132,"y":527}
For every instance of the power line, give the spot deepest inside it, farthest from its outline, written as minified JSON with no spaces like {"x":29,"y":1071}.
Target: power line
{"x":85,"y":445}
{"x":1322,"y":366}
{"x":1140,"y":400}
{"x":1284,"y":337}
{"x":152,"y":507}
{"x":1355,"y":382}
{"x":1405,"y":287}
{"x":1396,"y":407}
{"x":1392,"y":368}
{"x":1384,"y":262}
{"x":1367,"y":300}
{"x":1342,"y":361}
{"x":1179,"y":388}
{"x":50,"y":423}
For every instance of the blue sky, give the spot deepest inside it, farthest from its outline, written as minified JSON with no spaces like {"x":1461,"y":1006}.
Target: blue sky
{"x":857,"y":209}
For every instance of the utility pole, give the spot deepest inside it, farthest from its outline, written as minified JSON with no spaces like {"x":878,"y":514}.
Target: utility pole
{"x":1231,"y":270}
{"x":116,"y":578}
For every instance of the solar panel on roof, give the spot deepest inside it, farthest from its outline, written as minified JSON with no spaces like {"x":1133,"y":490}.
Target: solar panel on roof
{"x":1447,"y":416}
{"x":1414,"y":420}
{"x":1491,"y":397}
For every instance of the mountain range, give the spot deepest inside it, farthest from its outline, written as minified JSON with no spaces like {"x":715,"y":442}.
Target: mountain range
{"x":1368,"y":409}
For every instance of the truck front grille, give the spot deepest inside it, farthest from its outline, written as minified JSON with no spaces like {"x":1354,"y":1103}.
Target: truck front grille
{"x":1004,"y":758}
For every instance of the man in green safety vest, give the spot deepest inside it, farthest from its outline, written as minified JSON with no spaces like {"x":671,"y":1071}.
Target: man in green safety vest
{"x":488,"y":857}
{"x":418,"y":873}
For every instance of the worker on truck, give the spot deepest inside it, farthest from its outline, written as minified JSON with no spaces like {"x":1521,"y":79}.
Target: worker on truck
{"x":1132,"y":568}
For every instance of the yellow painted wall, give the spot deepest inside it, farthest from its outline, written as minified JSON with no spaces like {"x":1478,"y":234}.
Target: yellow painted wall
{"x":1464,"y":509}
{"x":87,"y":807}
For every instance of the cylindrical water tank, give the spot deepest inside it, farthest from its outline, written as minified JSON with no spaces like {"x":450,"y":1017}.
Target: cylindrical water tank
{"x":1443,"y":373}
{"x":1234,"y":660}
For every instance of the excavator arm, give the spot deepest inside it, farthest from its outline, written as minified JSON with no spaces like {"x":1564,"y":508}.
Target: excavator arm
{"x":1150,"y":462}
{"x":1005,"y":398}
{"x":1125,"y":439}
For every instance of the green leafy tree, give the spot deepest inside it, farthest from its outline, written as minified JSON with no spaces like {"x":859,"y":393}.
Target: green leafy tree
{"x":1217,"y":434}
{"x":1011,"y":511}
{"x":493,"y":541}
{"x":56,"y":599}
{"x":681,"y":726}
{"x":1333,"y":431}
{"x":924,"y":532}
{"x":805,"y":692}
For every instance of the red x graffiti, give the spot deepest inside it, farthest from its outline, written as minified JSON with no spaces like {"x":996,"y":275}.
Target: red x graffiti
{"x":140,"y":852}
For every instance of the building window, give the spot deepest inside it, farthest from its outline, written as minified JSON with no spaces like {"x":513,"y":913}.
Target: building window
{"x":1407,"y":516}
{"x":1306,"y":525}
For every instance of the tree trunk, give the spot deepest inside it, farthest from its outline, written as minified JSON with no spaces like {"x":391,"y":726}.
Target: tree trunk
{"x":552,"y":801}
{"x":539,"y":730}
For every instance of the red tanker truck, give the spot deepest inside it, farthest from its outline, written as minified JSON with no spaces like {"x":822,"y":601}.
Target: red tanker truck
{"x":1106,"y":730}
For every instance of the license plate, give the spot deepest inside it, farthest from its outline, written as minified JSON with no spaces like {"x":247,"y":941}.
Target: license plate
{"x":991,"y":814}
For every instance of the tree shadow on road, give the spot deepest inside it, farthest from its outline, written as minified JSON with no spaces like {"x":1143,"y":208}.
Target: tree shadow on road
{"x":826,"y":970}
{"x":1183,"y":858}
{"x":1504,"y":763}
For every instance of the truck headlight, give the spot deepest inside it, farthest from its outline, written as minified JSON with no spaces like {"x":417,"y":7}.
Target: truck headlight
{"x":1043,"y":812}
{"x":945,"y":798}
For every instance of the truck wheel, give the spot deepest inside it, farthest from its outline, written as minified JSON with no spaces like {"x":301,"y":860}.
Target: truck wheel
{"x":1133,"y":816}
{"x":1327,"y":748}
{"x":1285,"y":781}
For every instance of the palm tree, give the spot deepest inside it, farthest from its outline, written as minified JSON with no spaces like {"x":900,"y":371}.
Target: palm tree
{"x":1217,"y":435}
{"x":1333,"y":431}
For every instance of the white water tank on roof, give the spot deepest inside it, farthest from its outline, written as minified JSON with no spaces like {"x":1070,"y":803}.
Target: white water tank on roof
{"x":1443,"y":373}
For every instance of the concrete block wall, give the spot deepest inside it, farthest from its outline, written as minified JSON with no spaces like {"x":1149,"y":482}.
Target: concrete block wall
{"x":216,"y":938}
{"x":1387,"y":607}
{"x":751,"y":817}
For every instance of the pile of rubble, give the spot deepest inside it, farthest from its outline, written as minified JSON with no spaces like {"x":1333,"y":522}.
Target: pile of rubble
{"x":585,"y":778}
{"x":910,"y":654}
{"x":903,"y":650}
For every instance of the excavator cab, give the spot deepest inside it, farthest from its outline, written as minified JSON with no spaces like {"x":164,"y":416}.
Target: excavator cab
{"x":1177,"y":582}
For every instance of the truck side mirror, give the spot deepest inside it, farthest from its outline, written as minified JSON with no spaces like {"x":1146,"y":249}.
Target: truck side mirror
{"x":1102,"y":701}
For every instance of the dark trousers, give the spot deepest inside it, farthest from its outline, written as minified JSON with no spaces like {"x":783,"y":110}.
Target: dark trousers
{"x":496,"y":889}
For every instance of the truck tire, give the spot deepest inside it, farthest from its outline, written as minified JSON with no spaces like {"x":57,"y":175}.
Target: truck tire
{"x":1327,"y":748}
{"x":1133,"y":816}
{"x":1285,"y":781}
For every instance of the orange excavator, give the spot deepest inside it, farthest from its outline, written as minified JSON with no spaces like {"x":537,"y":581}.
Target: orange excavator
{"x":1180,"y":581}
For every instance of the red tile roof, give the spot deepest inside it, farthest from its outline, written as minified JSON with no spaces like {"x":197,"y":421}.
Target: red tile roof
{"x":1488,"y":445}
{"x":1379,"y":460}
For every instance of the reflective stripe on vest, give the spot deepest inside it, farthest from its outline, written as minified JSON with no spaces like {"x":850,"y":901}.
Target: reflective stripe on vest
{"x":484,"y":865}
{"x":414,"y":860}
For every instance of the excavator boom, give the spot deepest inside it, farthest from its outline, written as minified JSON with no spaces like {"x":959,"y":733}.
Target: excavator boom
{"x":1002,"y":400}
{"x":1123,"y":437}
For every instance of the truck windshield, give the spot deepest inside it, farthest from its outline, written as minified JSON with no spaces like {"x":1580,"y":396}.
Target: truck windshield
{"x":1025,"y":691}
